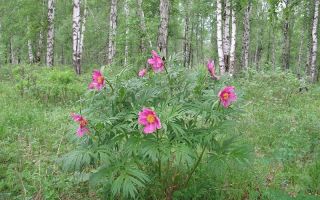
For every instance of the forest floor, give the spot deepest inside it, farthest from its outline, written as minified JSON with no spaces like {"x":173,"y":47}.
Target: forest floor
{"x":281,"y":123}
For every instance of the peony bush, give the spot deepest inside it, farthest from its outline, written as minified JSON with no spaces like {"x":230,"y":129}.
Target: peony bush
{"x":153,"y":135}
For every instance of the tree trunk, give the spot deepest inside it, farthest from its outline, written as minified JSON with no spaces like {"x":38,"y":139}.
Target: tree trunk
{"x":162,"y":42}
{"x":143,"y":27}
{"x":233,"y":41}
{"x":50,"y":37}
{"x":38,"y":54}
{"x":226,"y":35}
{"x":197,"y":37}
{"x":246,"y":37}
{"x":313,"y":69}
{"x":30,"y":52}
{"x":76,"y":36}
{"x":126,"y":49}
{"x":39,"y":48}
{"x":273,"y":52}
{"x":257,"y":55}
{"x":190,"y":58}
{"x":112,"y":31}
{"x":186,"y":45}
{"x":300,"y":54}
{"x":13,"y":59}
{"x":83,"y":28}
{"x":286,"y":39}
{"x":219,"y":37}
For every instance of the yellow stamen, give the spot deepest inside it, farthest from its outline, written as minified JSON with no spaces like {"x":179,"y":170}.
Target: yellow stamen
{"x":225,"y":96}
{"x":100,"y":79}
{"x":83,"y":123}
{"x":151,"y":118}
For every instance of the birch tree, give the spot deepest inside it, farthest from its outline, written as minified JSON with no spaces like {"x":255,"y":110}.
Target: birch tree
{"x":219,"y":37}
{"x":233,"y":40}
{"x":30,"y":52}
{"x":76,"y":37}
{"x":83,"y":28}
{"x":50,"y":36}
{"x":313,"y":69}
{"x":186,"y":40}
{"x":126,"y":48}
{"x":39,"y":47}
{"x":246,"y":37}
{"x":112,"y":31}
{"x":286,"y":37}
{"x":162,"y":42}
{"x":30,"y":49}
{"x":226,"y":35}
{"x":143,"y":28}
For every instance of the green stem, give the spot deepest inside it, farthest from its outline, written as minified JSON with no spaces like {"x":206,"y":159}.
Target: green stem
{"x":159,"y":157}
{"x":195,"y":166}
{"x":108,"y":82}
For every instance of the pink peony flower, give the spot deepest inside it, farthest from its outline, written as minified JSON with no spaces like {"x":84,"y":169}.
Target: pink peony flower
{"x":227,"y":96}
{"x":156,"y":62}
{"x":149,"y":120}
{"x":211,"y":70}
{"x":98,"y":81}
{"x":82,"y":124}
{"x":142,"y":72}
{"x":81,"y":131}
{"x":210,"y":66}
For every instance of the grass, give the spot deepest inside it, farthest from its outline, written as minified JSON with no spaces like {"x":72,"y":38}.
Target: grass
{"x":278,"y":120}
{"x":33,"y":134}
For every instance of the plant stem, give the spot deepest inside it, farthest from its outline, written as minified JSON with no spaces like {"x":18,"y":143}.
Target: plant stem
{"x":159,"y":157}
{"x":108,"y":82}
{"x":196,"y":165}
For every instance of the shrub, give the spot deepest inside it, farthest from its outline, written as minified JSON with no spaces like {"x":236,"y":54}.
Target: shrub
{"x":196,"y":132}
{"x":48,"y":85}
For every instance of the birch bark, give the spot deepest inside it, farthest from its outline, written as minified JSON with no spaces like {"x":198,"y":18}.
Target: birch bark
{"x":50,"y":36}
{"x":126,"y":49}
{"x":313,"y":69}
{"x":76,"y":36}
{"x":162,"y":42}
{"x":246,"y":37}
{"x":226,"y":35}
{"x":112,"y":31}
{"x":219,"y":37}
{"x":233,"y":41}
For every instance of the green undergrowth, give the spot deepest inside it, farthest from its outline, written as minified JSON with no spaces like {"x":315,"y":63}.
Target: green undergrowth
{"x":282,"y":122}
{"x":277,"y":119}
{"x":33,"y":133}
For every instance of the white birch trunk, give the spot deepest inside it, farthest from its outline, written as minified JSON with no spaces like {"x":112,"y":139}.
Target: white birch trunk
{"x":313,"y":69}
{"x":30,"y":52}
{"x":162,"y":42}
{"x":39,"y":48}
{"x":83,"y":28}
{"x":126,"y":49}
{"x":219,"y":37}
{"x":186,"y":43}
{"x":143,"y":25}
{"x":112,"y":31}
{"x":76,"y":36}
{"x":12,"y":53}
{"x":29,"y":43}
{"x":50,"y":37}
{"x":286,"y":40}
{"x":246,"y":37}
{"x":273,"y":52}
{"x":300,"y":54}
{"x":233,"y":42}
{"x":226,"y":35}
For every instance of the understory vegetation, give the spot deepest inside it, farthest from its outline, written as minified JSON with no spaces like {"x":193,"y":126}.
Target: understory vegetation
{"x":264,"y":146}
